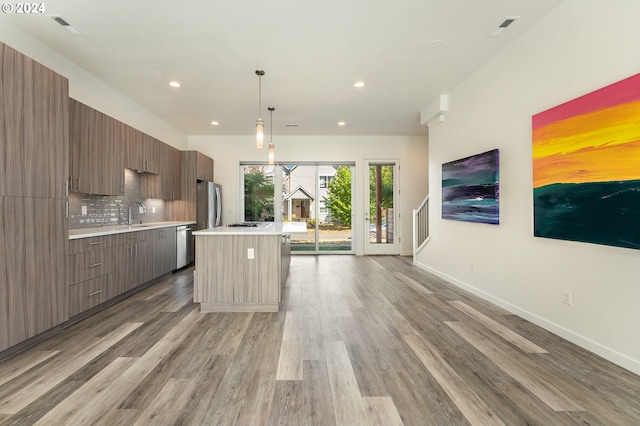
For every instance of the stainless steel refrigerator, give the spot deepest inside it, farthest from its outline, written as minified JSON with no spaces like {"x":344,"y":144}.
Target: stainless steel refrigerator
{"x":208,"y":205}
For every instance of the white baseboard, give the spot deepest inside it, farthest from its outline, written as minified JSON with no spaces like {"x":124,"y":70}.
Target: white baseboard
{"x":582,"y":341}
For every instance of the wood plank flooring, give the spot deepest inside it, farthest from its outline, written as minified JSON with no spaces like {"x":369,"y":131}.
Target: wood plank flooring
{"x":358,"y":341}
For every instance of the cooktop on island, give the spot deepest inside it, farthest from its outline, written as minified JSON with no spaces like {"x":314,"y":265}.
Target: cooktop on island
{"x":247,"y":224}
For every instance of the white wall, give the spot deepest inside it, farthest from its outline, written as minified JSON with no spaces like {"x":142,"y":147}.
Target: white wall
{"x":579,"y":47}
{"x":412,"y":152}
{"x":91,"y":91}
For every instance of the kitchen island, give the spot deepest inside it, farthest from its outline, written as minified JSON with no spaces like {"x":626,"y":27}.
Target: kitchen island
{"x":242,"y":268}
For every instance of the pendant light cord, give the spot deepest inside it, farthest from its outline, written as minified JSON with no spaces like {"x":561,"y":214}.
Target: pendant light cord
{"x":260,"y":73}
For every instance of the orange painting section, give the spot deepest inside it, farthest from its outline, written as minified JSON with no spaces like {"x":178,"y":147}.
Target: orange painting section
{"x":598,"y":146}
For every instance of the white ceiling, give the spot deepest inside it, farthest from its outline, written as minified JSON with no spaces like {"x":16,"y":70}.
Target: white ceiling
{"x":408,"y":52}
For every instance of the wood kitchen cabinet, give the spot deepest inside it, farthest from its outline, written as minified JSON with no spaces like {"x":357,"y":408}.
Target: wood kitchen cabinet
{"x":204,"y":167}
{"x":88,"y":294}
{"x":34,"y":116}
{"x":194,"y":166}
{"x":225,"y":280}
{"x":142,"y":152}
{"x":133,"y":261}
{"x":34,"y":167}
{"x":285,"y":255}
{"x":107,"y":266}
{"x":33,"y":248}
{"x":96,"y":152}
{"x":171,"y":172}
{"x":163,"y":251}
{"x":91,"y":273}
{"x":166,"y":185}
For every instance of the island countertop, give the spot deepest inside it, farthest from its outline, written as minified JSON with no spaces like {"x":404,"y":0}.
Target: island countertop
{"x":263,"y":228}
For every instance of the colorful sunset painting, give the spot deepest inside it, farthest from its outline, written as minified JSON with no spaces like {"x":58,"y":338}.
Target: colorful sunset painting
{"x":470,"y":189}
{"x":586,"y":167}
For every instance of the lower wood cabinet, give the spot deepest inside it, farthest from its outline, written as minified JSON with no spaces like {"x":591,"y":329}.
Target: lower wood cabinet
{"x":227,"y":280}
{"x":163,"y":250}
{"x":101,"y":268}
{"x":285,"y":254}
{"x":33,"y":250}
{"x":91,"y":293}
{"x":133,"y":262}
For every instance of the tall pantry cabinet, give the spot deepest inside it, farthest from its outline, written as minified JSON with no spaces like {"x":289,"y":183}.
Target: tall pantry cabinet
{"x":34,"y":167}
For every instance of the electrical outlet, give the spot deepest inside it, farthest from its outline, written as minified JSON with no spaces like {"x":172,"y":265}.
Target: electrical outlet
{"x":141,"y":210}
{"x":251,"y":253}
{"x":472,"y":265}
{"x":84,"y":210}
{"x":153,"y":209}
{"x":566,"y":297}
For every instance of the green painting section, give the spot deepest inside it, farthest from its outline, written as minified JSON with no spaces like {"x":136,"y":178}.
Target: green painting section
{"x":606,"y":213}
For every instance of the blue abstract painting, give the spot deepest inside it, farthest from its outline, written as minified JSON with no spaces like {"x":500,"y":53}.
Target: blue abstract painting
{"x":470,"y":189}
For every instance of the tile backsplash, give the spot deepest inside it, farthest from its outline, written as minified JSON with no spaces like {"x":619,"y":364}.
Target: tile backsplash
{"x":103,"y":210}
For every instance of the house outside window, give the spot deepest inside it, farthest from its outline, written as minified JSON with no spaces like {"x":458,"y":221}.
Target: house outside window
{"x":324,"y":180}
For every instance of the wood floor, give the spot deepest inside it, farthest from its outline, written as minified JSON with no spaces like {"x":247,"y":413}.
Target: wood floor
{"x":359,"y":340}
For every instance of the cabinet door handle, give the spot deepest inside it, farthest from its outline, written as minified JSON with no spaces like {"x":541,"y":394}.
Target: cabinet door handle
{"x":131,"y":251}
{"x":136,"y":250}
{"x":133,"y":236}
{"x":78,"y":188}
{"x":95,"y":242}
{"x":95,"y":292}
{"x":95,"y":264}
{"x":66,"y":209}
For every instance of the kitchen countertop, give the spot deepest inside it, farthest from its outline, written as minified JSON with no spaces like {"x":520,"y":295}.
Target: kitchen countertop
{"x":119,"y":229}
{"x":265,"y":228}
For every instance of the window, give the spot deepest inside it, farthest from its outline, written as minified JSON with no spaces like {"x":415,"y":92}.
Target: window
{"x":324,"y":181}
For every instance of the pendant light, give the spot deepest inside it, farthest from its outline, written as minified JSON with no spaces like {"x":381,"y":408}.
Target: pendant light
{"x":272,"y":149}
{"x":259,"y":122}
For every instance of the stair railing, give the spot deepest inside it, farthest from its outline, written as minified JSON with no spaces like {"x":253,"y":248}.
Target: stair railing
{"x":421,"y":226}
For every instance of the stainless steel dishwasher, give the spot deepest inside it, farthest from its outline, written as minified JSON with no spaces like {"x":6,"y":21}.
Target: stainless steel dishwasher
{"x":184,"y":246}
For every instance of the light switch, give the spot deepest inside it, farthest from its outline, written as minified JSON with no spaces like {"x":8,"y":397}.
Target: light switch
{"x":84,"y":210}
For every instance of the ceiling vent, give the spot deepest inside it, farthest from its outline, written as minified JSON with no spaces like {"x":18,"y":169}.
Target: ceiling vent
{"x":507,"y":21}
{"x":73,"y":30}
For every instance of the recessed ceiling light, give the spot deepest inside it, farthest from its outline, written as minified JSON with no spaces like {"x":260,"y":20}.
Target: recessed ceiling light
{"x":358,"y":84}
{"x":342,"y":123}
{"x":174,"y":84}
{"x":214,"y":123}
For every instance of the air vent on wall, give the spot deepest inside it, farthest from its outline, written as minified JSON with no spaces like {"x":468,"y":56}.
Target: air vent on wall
{"x":507,"y":21}
{"x":73,"y":30}
{"x":290,"y":125}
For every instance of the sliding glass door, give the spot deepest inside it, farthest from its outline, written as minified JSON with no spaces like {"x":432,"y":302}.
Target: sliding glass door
{"x":318,"y":195}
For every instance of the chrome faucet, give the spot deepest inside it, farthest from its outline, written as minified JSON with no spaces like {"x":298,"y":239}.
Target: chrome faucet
{"x":144,"y":210}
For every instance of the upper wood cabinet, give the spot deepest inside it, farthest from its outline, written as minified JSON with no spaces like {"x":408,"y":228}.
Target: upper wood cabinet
{"x":142,"y":152}
{"x":97,"y":159}
{"x":166,"y":184}
{"x":34,"y":128}
{"x":170,"y":173}
{"x":204,"y":167}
